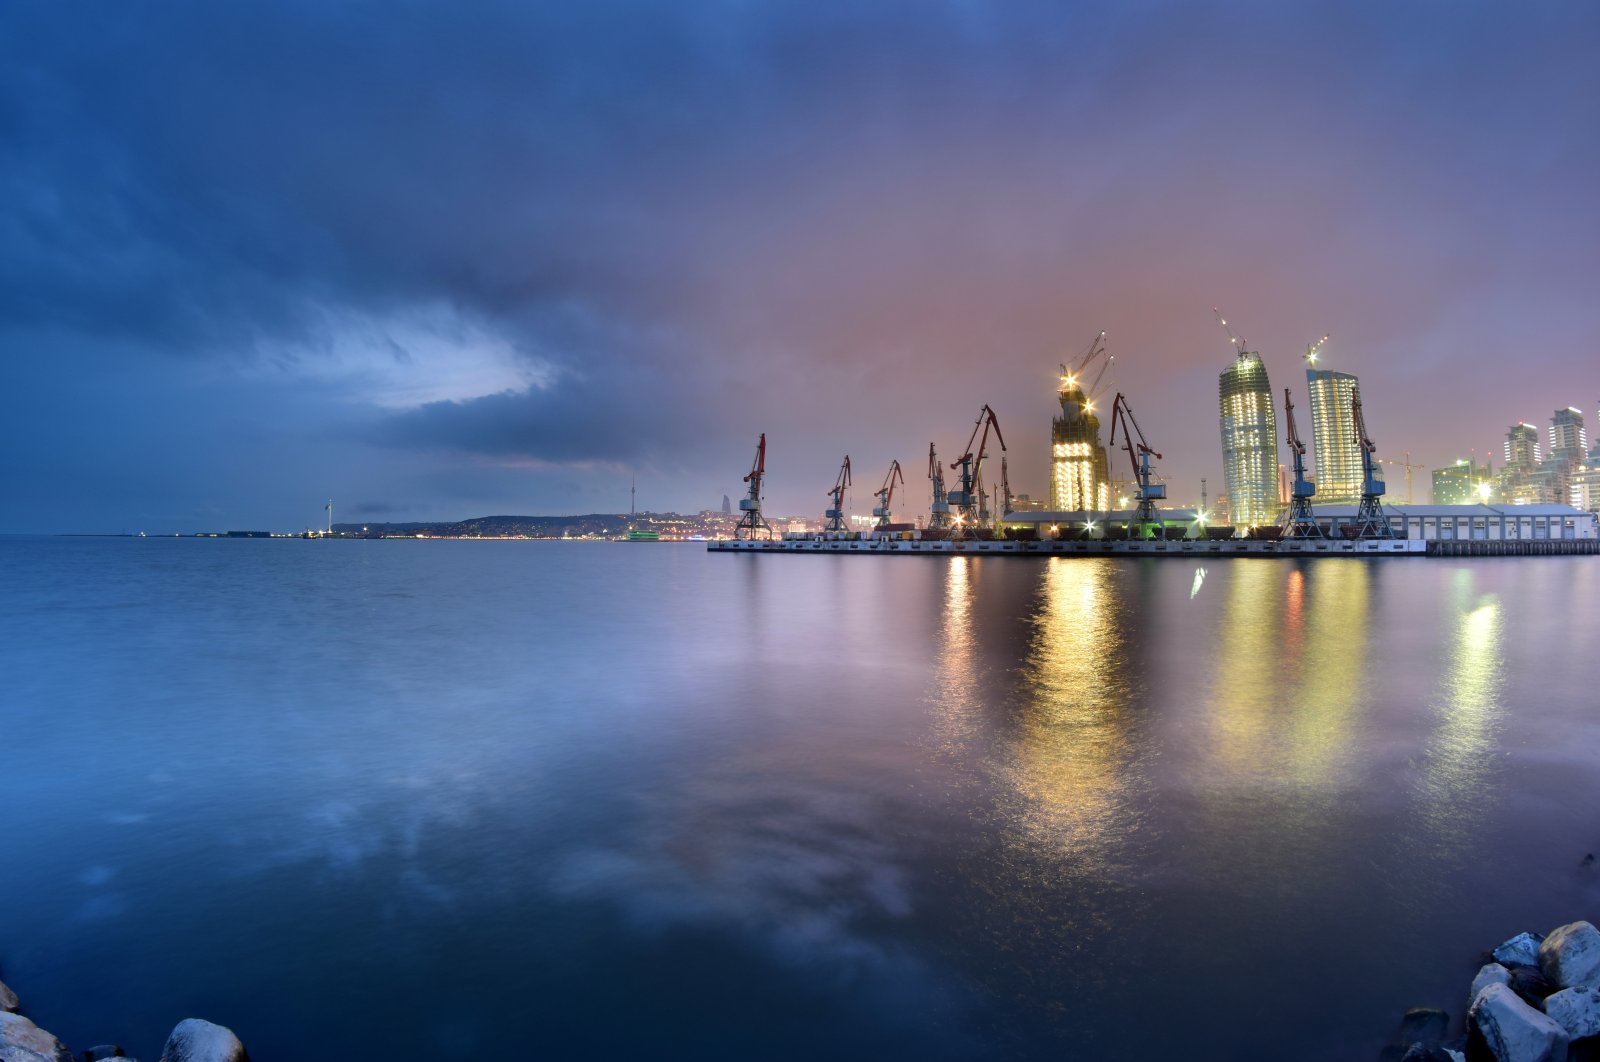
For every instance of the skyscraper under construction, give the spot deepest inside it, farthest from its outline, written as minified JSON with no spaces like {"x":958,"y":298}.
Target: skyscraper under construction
{"x":1339,"y":475}
{"x":1249,"y":441}
{"x":1080,"y":477}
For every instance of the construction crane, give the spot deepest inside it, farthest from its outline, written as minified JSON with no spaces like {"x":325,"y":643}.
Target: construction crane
{"x":1409,"y":467}
{"x":835,"y":515}
{"x":750,"y":518}
{"x":968,"y":500}
{"x":1139,"y":455}
{"x":1299,"y":521}
{"x":1237,"y":341}
{"x":939,"y":511}
{"x":1311,"y":352}
{"x":1072,"y":377}
{"x":886,"y":494}
{"x":1370,"y":521}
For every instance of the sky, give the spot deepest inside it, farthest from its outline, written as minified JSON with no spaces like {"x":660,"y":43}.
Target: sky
{"x":436,"y":261}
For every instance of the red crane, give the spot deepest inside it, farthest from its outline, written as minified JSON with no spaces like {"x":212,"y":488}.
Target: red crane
{"x":885,"y":494}
{"x":966,"y":500}
{"x":750,"y":507}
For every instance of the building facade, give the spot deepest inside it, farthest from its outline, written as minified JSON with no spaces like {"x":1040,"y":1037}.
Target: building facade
{"x":1080,"y":475}
{"x":1338,"y":451}
{"x":1462,"y":483}
{"x":1249,"y":441}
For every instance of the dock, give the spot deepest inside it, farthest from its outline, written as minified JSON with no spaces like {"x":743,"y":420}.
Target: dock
{"x":1104,"y":547}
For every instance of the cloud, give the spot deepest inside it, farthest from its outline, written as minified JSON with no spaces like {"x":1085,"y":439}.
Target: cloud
{"x":534,"y":235}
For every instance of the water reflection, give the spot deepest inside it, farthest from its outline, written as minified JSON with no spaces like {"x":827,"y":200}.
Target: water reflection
{"x":1468,"y":708}
{"x":1071,"y":761}
{"x":1290,"y":674}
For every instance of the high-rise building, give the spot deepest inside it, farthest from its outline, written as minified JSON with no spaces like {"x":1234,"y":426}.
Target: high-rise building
{"x":1462,"y":483}
{"x":1333,"y":428}
{"x":1080,"y":475}
{"x":1567,"y":433}
{"x":1523,"y":452}
{"x":1249,"y":440}
{"x":1520,"y":480}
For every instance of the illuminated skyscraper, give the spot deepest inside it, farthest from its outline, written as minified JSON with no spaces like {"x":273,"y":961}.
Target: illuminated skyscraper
{"x":1249,"y":440}
{"x":1333,"y":429}
{"x":1523,"y":452}
{"x":1079,"y":474}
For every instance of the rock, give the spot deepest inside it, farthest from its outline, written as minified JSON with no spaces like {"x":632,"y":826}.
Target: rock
{"x":1425,"y":1026}
{"x":1570,"y":956}
{"x":1491,"y":974}
{"x":100,"y":1052}
{"x":23,"y":1041}
{"x":1530,"y":983}
{"x":1576,"y":1010}
{"x":1514,"y":1031}
{"x":1424,"y":1053}
{"x":1453,"y":1055}
{"x":8,"y":999}
{"x":194,"y":1040}
{"x":1522,"y":948}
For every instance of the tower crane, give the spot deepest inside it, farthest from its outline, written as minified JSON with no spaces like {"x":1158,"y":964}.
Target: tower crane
{"x":885,"y":494}
{"x":968,"y":500}
{"x":1370,"y":521}
{"x":1299,"y":521}
{"x":835,"y":515}
{"x":1311,"y":351}
{"x":939,"y":511}
{"x":1237,"y":341}
{"x":1002,"y":501}
{"x":1072,"y":377}
{"x":1409,"y":467}
{"x":1139,"y":455}
{"x":750,"y":518}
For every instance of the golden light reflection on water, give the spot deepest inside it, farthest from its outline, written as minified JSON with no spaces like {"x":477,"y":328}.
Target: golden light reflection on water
{"x":1468,"y":708}
{"x":1071,"y":761}
{"x":1291,"y":675}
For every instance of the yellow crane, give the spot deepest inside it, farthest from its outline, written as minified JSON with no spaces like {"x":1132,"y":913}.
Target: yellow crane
{"x":1408,"y":466}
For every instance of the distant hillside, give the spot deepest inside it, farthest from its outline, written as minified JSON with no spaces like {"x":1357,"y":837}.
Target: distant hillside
{"x":534,"y":526}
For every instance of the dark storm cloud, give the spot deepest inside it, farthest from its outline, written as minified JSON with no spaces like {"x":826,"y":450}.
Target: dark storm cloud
{"x":846,"y":224}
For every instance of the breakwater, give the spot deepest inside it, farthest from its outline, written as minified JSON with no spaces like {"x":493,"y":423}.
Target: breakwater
{"x":192,"y":1040}
{"x":1536,"y":998}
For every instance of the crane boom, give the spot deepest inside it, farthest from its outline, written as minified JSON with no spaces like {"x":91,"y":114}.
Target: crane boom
{"x":885,"y":494}
{"x":1139,"y":455}
{"x":967,"y":500}
{"x":835,"y":515}
{"x":1299,"y":521}
{"x":939,"y":511}
{"x":750,"y":518}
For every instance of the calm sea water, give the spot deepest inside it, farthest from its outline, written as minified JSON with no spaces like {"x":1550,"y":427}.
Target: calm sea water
{"x":547,"y":800}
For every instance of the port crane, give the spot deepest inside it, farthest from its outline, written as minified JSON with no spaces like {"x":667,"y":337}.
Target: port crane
{"x":1299,"y":521}
{"x":1139,"y":455}
{"x":968,"y":500}
{"x":939,"y":511}
{"x":1409,"y":467}
{"x":750,"y":518}
{"x":885,"y":494}
{"x":835,"y":515}
{"x":1370,"y":521}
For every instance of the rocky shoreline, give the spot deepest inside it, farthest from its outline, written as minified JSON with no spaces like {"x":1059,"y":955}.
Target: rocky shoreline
{"x":192,"y":1040}
{"x":1535,"y":999}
